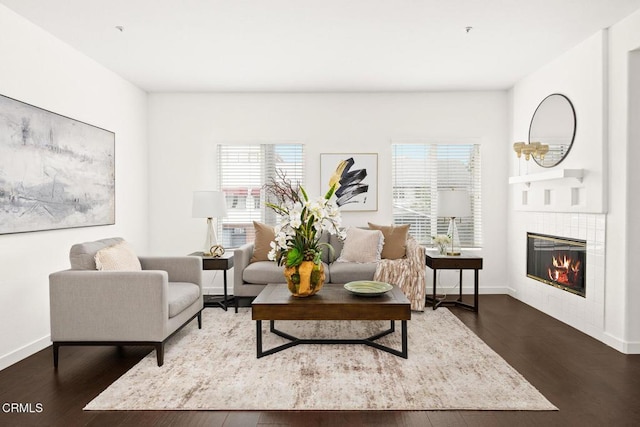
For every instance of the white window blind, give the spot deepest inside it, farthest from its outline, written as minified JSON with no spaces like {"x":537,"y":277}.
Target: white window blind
{"x":242,"y":172}
{"x":419,"y":171}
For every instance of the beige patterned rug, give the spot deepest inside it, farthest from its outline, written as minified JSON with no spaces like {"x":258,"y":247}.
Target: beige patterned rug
{"x":216,"y":368}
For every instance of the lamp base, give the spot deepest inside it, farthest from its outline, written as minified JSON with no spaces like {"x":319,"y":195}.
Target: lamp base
{"x":453,"y":248}
{"x":211,"y":246}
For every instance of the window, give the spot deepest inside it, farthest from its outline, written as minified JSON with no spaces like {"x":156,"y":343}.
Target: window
{"x":242,"y":171}
{"x":419,"y":171}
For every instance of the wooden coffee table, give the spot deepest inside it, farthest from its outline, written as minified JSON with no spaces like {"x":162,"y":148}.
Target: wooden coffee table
{"x":333,"y":302}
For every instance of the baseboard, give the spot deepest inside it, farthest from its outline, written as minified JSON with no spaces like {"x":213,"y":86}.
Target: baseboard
{"x":216,"y":290}
{"x":622,"y":346}
{"x":468,"y":290}
{"x":24,"y":352}
{"x":632,"y":348}
{"x":219,"y":290}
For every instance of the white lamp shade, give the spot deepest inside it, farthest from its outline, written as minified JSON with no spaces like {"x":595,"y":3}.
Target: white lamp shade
{"x":454,"y":203}
{"x":209,"y":204}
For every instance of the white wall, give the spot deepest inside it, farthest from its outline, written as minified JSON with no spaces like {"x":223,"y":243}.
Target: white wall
{"x":184,"y":129}
{"x":41,"y":70}
{"x":580,"y":75}
{"x":623,"y":233}
{"x":601,"y":77}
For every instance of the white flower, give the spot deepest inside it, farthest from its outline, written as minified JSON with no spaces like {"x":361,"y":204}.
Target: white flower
{"x":281,"y":239}
{"x":441,"y":239}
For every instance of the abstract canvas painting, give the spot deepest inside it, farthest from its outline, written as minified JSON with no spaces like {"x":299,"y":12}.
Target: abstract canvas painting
{"x":55,"y":172}
{"x":356,"y":179}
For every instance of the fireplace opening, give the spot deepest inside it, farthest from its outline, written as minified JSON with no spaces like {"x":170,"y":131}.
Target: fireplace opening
{"x":557,"y":261}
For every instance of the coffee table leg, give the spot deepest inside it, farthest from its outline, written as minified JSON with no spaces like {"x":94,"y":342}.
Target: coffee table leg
{"x":259,"y":337}
{"x":405,"y":341}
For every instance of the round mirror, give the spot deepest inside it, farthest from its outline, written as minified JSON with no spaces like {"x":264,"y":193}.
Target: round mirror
{"x":554,"y":125}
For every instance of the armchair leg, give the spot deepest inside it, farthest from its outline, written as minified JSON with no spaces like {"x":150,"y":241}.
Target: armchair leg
{"x":200,"y":320}
{"x":160,"y":353}
{"x":56,"y":348}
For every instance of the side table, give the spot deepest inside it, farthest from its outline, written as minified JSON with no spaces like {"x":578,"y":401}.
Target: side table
{"x":221,"y":263}
{"x":465,"y":261}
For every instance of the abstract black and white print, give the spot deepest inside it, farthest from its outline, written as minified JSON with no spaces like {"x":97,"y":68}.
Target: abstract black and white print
{"x":55,"y":172}
{"x":355,"y":178}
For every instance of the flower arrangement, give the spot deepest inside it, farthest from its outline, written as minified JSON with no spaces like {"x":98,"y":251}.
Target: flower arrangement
{"x":297,"y":237}
{"x":441,"y":241}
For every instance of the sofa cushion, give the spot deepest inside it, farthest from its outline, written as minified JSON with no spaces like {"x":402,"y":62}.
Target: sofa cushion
{"x":119,"y":257}
{"x":337,"y":245}
{"x":82,"y":255}
{"x":326,"y":252}
{"x":362,"y":246}
{"x":343,"y":272}
{"x":180,"y":296}
{"x":395,"y":240}
{"x":265,"y":272}
{"x":262,"y":244}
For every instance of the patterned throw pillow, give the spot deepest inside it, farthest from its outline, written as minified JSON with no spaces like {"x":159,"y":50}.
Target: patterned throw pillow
{"x":362,"y":246}
{"x":395,"y":240}
{"x":117,"y":257}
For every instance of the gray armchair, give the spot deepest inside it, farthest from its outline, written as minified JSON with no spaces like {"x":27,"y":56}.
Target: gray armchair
{"x":91,"y":307}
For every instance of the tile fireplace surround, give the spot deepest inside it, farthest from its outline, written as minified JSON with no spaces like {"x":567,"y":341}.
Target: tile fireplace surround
{"x":585,"y":314}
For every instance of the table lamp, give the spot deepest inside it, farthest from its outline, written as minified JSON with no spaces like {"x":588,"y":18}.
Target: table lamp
{"x":453,"y":204}
{"x":210,"y":204}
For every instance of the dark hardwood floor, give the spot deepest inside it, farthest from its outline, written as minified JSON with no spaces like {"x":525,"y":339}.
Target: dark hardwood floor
{"x":591,"y":384}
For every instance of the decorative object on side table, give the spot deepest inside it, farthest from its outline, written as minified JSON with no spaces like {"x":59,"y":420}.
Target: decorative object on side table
{"x":441,"y":241}
{"x":210,"y":204}
{"x":297,"y":243}
{"x":453,"y":204}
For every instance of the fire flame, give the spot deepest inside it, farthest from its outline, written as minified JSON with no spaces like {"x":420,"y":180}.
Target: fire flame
{"x":564,"y":270}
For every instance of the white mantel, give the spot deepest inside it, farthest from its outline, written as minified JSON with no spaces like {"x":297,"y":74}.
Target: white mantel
{"x":553,"y":174}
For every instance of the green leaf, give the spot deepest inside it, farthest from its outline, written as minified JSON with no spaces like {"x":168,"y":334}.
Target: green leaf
{"x":304,"y":194}
{"x":294,"y":257}
{"x":330,"y":192}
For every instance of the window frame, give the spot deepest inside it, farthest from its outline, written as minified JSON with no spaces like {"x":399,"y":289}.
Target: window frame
{"x":237,"y":184}
{"x":424,"y":178}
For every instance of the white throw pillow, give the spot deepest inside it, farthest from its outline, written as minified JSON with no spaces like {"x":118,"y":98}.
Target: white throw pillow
{"x":362,"y":246}
{"x":117,"y":257}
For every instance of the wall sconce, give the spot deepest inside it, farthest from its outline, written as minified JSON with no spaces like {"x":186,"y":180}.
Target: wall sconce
{"x":535,"y":149}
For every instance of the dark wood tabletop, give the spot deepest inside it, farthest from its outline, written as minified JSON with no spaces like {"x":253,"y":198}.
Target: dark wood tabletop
{"x":333,"y":302}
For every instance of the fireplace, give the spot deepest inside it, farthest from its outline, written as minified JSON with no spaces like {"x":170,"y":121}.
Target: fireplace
{"x":557,"y":261}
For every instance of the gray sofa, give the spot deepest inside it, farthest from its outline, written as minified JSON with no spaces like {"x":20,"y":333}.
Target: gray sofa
{"x":251,"y":278}
{"x":91,"y":307}
{"x":407,"y":273}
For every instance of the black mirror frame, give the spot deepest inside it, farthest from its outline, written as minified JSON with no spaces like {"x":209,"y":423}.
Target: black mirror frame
{"x":573,"y":136}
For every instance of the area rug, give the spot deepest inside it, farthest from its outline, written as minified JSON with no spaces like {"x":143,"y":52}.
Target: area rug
{"x":215,"y":368}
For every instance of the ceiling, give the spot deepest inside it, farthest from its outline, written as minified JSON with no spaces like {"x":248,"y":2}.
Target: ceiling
{"x":328,"y":45}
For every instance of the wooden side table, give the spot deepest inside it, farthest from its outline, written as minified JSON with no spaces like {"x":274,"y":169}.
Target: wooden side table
{"x":465,"y":261}
{"x":222,"y":263}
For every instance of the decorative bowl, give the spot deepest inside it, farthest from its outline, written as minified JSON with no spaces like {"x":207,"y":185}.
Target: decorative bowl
{"x":368,"y":288}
